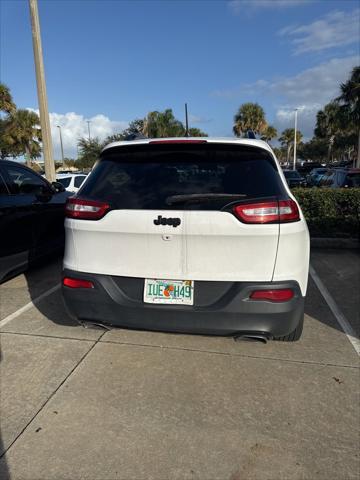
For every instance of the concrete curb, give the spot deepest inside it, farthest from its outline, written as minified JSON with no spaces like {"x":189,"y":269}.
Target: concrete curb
{"x":347,"y":243}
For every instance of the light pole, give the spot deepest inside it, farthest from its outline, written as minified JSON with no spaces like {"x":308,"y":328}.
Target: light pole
{"x":88,"y":122}
{"x":61,"y":144}
{"x":41,"y":91}
{"x":294,"y":166}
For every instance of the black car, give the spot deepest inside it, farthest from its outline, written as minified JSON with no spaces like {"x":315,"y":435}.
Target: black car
{"x":31,"y":218}
{"x":294,"y":179}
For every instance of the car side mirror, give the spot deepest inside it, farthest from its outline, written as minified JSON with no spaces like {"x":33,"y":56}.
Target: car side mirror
{"x":58,"y":187}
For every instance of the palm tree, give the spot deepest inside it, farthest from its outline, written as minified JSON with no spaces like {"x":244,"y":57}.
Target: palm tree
{"x":162,"y":124}
{"x":250,"y":116}
{"x":24,"y":134}
{"x":350,"y":99}
{"x":330,"y":124}
{"x":287,"y":140}
{"x":6,"y":102}
{"x":269,"y":133}
{"x":89,"y":151}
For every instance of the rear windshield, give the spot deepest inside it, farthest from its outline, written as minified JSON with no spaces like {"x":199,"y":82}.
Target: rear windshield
{"x":145,"y":177}
{"x":65,"y":181}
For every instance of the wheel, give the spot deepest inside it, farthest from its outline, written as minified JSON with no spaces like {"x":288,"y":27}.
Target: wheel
{"x":293,"y":336}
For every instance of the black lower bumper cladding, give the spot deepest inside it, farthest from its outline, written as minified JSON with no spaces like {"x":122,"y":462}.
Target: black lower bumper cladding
{"x":220,"y":307}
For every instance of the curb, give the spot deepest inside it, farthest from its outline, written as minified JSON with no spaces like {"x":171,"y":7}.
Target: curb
{"x":347,"y":243}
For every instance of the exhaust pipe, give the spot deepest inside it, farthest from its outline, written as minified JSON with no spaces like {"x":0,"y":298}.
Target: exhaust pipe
{"x":252,"y":337}
{"x":95,"y":325}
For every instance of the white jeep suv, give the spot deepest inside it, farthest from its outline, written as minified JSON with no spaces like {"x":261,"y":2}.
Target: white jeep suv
{"x":188,"y":235}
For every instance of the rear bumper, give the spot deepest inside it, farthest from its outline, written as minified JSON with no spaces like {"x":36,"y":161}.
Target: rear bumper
{"x":221,"y":308}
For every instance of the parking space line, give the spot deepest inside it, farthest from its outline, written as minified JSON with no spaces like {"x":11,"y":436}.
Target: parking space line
{"x":340,"y":317}
{"x":29,"y":305}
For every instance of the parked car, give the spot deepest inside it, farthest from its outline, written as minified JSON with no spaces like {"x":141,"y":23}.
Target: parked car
{"x":71,"y":181}
{"x":294,"y":179}
{"x":31,"y":218}
{"x":188,"y":235}
{"x":315,"y":175}
{"x":341,"y":178}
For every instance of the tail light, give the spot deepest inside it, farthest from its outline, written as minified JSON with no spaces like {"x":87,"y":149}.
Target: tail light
{"x":283,"y":211}
{"x":281,"y":295}
{"x":85,"y":209}
{"x":77,"y":283}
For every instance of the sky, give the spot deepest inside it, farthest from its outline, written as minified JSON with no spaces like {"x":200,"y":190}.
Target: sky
{"x":111,"y":61}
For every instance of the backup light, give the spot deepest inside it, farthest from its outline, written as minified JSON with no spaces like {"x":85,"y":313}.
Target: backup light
{"x":283,"y":211}
{"x":85,"y":209}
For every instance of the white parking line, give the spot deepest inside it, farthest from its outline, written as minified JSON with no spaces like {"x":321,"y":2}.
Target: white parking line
{"x":340,"y":317}
{"x":29,"y":305}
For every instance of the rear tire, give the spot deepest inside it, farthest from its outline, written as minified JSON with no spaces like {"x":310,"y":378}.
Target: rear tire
{"x":293,"y":336}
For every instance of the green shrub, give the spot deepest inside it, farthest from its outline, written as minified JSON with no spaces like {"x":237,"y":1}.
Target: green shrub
{"x":330,"y":212}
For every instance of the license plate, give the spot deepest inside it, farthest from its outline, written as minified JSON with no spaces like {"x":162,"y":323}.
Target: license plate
{"x":173,"y":292}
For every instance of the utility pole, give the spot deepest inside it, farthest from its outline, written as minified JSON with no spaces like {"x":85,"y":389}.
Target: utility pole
{"x":41,"y":91}
{"x":88,"y":122}
{"x":294,"y":166}
{"x":61,"y":145}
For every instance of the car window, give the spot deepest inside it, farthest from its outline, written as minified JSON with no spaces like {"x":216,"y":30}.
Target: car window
{"x":144,"y":178}
{"x":64,"y":181}
{"x":292,"y":174}
{"x":79,"y":180}
{"x":353,"y":180}
{"x":3,"y":187}
{"x":24,"y":182}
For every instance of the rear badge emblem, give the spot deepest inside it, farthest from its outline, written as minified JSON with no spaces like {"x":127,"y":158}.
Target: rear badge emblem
{"x":167,"y":221}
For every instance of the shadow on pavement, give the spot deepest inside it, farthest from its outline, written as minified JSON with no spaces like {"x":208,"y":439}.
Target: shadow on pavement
{"x":52,"y":306}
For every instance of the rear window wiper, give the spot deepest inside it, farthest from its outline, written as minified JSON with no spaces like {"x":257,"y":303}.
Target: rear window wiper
{"x":203,"y":197}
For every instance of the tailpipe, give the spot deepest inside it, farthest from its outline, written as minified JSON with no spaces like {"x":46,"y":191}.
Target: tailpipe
{"x":252,"y":337}
{"x":94,"y":325}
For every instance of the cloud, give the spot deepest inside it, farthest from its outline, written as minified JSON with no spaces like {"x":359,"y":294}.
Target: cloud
{"x":335,"y":29}
{"x":309,"y":90}
{"x":239,"y":6}
{"x":73,"y":126}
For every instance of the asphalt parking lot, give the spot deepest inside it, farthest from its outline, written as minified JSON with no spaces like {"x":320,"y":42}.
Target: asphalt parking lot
{"x":83,"y":404}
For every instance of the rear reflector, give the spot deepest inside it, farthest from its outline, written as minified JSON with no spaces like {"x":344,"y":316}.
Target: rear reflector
{"x":273,"y":295}
{"x":155,"y":142}
{"x":284,"y":211}
{"x":85,"y":209}
{"x":77,"y":283}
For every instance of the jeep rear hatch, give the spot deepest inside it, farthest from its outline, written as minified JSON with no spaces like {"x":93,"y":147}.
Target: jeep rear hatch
{"x":172,"y":213}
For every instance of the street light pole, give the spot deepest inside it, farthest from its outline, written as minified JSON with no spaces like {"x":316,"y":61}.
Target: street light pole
{"x":88,"y":122}
{"x":294,"y":166}
{"x":41,"y":91}
{"x":61,"y":145}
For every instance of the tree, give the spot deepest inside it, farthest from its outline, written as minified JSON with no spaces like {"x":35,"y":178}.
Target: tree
{"x":287,"y":140}
{"x":196,"y":132}
{"x":6,"y":102}
{"x":330,"y":125}
{"x":350,"y":101}
{"x":316,"y":149}
{"x":22,"y":134}
{"x":162,"y":124}
{"x":269,"y":133}
{"x":250,"y":116}
{"x":89,"y":151}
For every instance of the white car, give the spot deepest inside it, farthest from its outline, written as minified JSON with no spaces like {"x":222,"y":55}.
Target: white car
{"x":71,"y":181}
{"x":198,"y":235}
